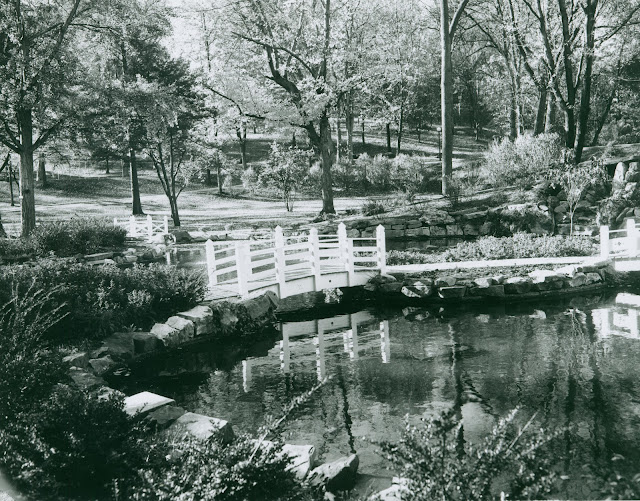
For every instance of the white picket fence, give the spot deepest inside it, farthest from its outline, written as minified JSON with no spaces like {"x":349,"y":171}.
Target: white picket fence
{"x":143,"y":227}
{"x":624,"y":242}
{"x":320,"y":261}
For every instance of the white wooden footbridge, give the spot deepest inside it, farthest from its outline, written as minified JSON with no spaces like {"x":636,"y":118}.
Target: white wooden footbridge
{"x":289,"y":265}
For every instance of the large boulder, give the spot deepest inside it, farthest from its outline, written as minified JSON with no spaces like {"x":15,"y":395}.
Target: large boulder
{"x":618,"y":181}
{"x":85,"y":380}
{"x":185,"y":328}
{"x":446,"y":281}
{"x":453,"y":292}
{"x":165,"y":416}
{"x":145,"y":342}
{"x":202,"y":318}
{"x":517,"y":285}
{"x":145,"y":402}
{"x":491,"y":291}
{"x":120,"y":346}
{"x":338,"y":475}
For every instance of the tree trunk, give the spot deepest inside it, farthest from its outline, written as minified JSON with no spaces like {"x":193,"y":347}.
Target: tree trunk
{"x":585,"y":98}
{"x":326,"y":151}
{"x":363,"y":143}
{"x":349,"y":126}
{"x":173,"y":203}
{"x":339,"y":132}
{"x":3,"y":234}
{"x":540,"y":112}
{"x":27,"y":196}
{"x":11,"y":176}
{"x":603,"y":118}
{"x":241,"y":132}
{"x":400,"y":125}
{"x":446,"y":96}
{"x":107,"y":169}
{"x":550,"y":115}
{"x":207,"y":179}
{"x":136,"y":205}
{"x":388,"y":137}
{"x":42,"y":171}
{"x":219,"y":177}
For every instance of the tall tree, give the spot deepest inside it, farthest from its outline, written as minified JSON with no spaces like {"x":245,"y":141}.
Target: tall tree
{"x":448,"y":28}
{"x":37,"y":72}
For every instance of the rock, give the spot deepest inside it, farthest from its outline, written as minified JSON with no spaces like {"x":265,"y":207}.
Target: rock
{"x":182,"y":236}
{"x":383,"y":278}
{"x":517,"y":285}
{"x":338,"y":475}
{"x":165,"y":416}
{"x":202,"y":318}
{"x":168,"y":336}
{"x":391,"y":287}
{"x":106,"y":393}
{"x":198,"y":236}
{"x":110,"y":262}
{"x":447,"y":281}
{"x":203,"y":427}
{"x":185,"y":328}
{"x":499,"y":279}
{"x":593,"y":278}
{"x":578,"y":280}
{"x":303,"y":458}
{"x":259,"y":308}
{"x":484,"y":282}
{"x":145,"y":342}
{"x":145,"y":402}
{"x":437,"y":231}
{"x":541,"y":276}
{"x":99,"y":257}
{"x":101,"y":366}
{"x":618,"y":176}
{"x":410,"y":291}
{"x":630,"y":188}
{"x":85,"y":380}
{"x":456,"y":291}
{"x":454,"y":230}
{"x":568,"y":271}
{"x":80,"y":360}
{"x":490,"y":291}
{"x":120,"y":346}
{"x":470,"y":230}
{"x":486,"y":228}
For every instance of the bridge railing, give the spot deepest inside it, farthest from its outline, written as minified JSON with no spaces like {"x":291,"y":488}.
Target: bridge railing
{"x":146,"y":227}
{"x":245,"y":265}
{"x":624,"y":242}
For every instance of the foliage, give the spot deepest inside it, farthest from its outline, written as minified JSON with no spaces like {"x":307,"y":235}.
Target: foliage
{"x":66,"y":238}
{"x":521,"y":162}
{"x":101,"y":300}
{"x":520,"y":245}
{"x":372,"y":207}
{"x":438,"y":465}
{"x":286,"y":171}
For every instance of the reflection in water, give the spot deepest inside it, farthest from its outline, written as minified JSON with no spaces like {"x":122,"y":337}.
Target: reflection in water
{"x":575,"y":365}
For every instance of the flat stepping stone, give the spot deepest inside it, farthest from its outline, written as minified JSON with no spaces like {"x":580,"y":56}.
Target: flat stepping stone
{"x":203,"y":427}
{"x":145,"y":402}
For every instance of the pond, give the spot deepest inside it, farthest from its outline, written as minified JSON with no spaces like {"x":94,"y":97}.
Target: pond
{"x":573,"y":363}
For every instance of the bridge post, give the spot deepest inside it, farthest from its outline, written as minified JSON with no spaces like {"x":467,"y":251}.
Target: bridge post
{"x":211,"y":262}
{"x":346,"y":251}
{"x":632,"y":237}
{"x":604,"y":242}
{"x":381,"y":245}
{"x":385,"y":347}
{"x":115,"y":222}
{"x":166,"y":224}
{"x":280,"y":262}
{"x":243,"y":267}
{"x":149,"y":226}
{"x":314,"y":250}
{"x":132,"y":226}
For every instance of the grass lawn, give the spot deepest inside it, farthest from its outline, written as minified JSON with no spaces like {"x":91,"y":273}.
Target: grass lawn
{"x":85,"y":190}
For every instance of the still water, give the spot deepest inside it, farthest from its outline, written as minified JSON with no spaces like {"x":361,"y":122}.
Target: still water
{"x":574,"y":364}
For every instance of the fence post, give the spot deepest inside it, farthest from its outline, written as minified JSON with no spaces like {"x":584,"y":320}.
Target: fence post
{"x":604,"y":242}
{"x":243,"y":267}
{"x":211,"y":262}
{"x":314,"y":250}
{"x":342,"y":244}
{"x":149,"y":226}
{"x":115,"y":222}
{"x":166,"y":224}
{"x":381,"y":245}
{"x":132,"y":226}
{"x":632,"y":237}
{"x":280,"y":260}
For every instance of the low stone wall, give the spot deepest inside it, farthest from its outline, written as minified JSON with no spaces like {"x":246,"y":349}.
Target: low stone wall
{"x":538,"y":284}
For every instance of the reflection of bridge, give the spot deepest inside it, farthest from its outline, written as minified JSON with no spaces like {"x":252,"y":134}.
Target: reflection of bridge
{"x":294,"y":264}
{"x":331,"y":336}
{"x":623,"y":320}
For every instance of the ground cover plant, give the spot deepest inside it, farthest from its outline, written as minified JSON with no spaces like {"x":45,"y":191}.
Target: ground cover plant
{"x":103,"y":299}
{"x":66,"y":238}
{"x":520,"y":245}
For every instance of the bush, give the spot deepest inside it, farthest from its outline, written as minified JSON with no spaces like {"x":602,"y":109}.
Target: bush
{"x":66,"y":238}
{"x":522,"y":161}
{"x":520,"y":245}
{"x":285,"y":171}
{"x":440,"y":465}
{"x":213,"y":470}
{"x":102,"y":300}
{"x":372,"y":207}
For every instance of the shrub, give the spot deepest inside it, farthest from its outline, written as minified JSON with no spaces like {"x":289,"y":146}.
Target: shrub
{"x":66,"y":238}
{"x":101,"y":300}
{"x":520,"y":245}
{"x":522,"y":161}
{"x":439,"y":465}
{"x":380,"y":172}
{"x":285,"y":171}
{"x":372,"y":207}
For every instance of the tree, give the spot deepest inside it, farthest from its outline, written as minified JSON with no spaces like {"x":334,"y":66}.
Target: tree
{"x":295,"y":39}
{"x":37,"y":73}
{"x":447,"y":31}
